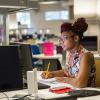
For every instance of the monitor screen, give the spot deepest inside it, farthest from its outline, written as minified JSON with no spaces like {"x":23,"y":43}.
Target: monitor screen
{"x":90,"y":43}
{"x":26,"y":58}
{"x":10,"y":70}
{"x":26,"y":37}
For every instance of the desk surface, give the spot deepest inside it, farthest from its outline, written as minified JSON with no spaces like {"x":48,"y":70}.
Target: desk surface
{"x":56,"y":56}
{"x":97,"y":56}
{"x":42,"y":56}
{"x":47,"y":95}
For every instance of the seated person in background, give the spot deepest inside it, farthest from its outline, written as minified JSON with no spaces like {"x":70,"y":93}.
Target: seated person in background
{"x":80,"y":66}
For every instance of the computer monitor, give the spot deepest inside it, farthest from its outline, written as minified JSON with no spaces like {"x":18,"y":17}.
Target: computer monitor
{"x":90,"y":43}
{"x":10,"y":70}
{"x":26,"y":58}
{"x":26,"y":37}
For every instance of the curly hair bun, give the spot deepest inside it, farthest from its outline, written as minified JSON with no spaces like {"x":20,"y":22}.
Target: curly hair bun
{"x":66,"y":27}
{"x":80,"y":26}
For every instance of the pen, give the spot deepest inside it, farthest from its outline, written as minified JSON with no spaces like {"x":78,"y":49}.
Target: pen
{"x":47,"y":69}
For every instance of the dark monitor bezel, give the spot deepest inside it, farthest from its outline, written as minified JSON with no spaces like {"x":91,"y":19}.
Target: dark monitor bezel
{"x":26,"y":59}
{"x":12,"y":60}
{"x":90,"y":43}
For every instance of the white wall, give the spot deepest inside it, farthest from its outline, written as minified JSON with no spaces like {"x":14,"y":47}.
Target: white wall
{"x":38,"y":18}
{"x":12,"y":21}
{"x":38,"y":21}
{"x":33,"y":22}
{"x":93,"y":29}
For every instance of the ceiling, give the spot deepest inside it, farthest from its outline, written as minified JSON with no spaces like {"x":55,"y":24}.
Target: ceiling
{"x":16,"y":5}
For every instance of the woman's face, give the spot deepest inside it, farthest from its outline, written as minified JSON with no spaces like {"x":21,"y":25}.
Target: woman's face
{"x":67,"y":40}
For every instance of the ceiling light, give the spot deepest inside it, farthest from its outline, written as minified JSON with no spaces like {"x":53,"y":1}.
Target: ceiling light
{"x":48,"y":2}
{"x":11,"y":6}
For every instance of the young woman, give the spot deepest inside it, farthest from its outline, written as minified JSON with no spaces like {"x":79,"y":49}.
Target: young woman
{"x":80,"y":65}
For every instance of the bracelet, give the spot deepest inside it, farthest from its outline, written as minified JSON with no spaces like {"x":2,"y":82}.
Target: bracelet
{"x":65,"y":80}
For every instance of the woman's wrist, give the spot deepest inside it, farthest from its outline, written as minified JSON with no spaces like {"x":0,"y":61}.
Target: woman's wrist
{"x":52,"y":74}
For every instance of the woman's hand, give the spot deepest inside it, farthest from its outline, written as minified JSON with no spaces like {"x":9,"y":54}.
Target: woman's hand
{"x":47,"y":75}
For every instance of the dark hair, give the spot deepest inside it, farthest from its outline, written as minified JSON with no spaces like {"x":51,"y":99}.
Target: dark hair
{"x":78,"y":27}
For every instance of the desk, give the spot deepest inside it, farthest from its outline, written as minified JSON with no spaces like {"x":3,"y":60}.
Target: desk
{"x":91,"y":97}
{"x":42,"y":56}
{"x":43,"y":94}
{"x":46,"y":95}
{"x":54,"y":96}
{"x":47,"y":59}
{"x":51,"y":95}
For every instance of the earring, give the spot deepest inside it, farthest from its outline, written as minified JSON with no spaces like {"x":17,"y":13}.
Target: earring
{"x":75,"y":40}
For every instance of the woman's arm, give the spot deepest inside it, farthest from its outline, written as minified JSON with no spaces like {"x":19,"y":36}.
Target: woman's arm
{"x":59,"y":73}
{"x":82,"y":78}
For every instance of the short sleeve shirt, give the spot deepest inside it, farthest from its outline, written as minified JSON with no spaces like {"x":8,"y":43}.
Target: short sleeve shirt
{"x":73,"y":65}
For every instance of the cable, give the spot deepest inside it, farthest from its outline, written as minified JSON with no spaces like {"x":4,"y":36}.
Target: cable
{"x":6,"y":96}
{"x":24,"y":96}
{"x":19,"y":97}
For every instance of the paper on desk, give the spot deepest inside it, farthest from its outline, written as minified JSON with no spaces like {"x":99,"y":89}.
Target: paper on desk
{"x":60,"y":86}
{"x":52,"y":81}
{"x":49,"y":81}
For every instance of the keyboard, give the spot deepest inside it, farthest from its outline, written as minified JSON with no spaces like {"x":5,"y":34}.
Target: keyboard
{"x":84,"y":93}
{"x":40,"y":86}
{"x":43,"y":86}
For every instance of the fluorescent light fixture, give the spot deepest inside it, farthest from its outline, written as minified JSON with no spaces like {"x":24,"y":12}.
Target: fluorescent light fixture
{"x":40,"y":31}
{"x":19,"y":4}
{"x":47,"y":31}
{"x":48,"y":2}
{"x":12,"y":6}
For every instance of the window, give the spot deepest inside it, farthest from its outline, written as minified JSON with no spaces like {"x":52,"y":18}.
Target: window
{"x":23,"y":18}
{"x":56,"y":15}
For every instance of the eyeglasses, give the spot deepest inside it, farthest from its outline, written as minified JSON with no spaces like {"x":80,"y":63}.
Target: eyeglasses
{"x":62,"y":40}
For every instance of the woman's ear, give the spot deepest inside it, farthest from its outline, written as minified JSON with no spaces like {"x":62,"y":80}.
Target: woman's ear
{"x":76,"y":38}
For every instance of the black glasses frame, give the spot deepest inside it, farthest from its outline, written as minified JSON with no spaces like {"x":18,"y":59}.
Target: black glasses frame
{"x":65,"y":38}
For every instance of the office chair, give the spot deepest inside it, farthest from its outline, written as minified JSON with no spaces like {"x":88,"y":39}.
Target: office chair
{"x":59,"y":49}
{"x":36,"y":63}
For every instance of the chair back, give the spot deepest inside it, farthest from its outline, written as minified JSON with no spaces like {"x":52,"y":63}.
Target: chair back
{"x":35,"y":50}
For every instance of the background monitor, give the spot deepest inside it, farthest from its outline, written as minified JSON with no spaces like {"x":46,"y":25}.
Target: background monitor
{"x":90,"y":43}
{"x":10,"y":70}
{"x":26,"y":37}
{"x":26,"y":58}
